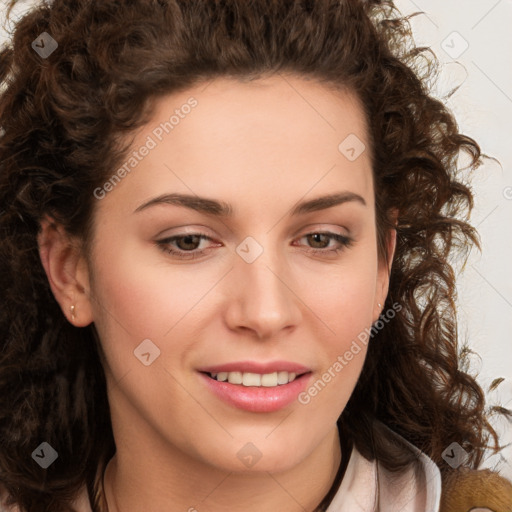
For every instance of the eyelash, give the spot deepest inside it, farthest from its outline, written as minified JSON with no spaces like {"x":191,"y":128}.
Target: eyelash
{"x":344,"y":242}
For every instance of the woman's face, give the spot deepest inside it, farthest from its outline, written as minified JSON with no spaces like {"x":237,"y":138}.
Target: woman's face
{"x":231,"y":278}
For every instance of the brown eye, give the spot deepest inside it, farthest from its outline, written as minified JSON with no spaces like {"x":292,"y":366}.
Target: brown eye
{"x":189,"y":242}
{"x":315,"y":238}
{"x":319,"y":243}
{"x":185,"y":246}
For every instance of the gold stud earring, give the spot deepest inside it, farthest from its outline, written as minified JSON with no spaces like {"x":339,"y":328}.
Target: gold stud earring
{"x":72,"y":311}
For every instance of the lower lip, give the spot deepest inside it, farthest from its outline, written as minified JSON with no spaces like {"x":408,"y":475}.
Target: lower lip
{"x":258,"y":399}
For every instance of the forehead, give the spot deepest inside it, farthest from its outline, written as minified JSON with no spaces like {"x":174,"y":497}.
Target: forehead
{"x":278,"y":111}
{"x":277,"y":135}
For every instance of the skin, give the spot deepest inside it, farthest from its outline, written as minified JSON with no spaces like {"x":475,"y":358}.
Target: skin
{"x":261,"y":146}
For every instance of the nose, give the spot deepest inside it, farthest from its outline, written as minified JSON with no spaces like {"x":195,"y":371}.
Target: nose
{"x":262,"y":297}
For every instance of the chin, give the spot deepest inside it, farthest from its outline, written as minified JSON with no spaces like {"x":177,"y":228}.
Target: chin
{"x":248,"y":458}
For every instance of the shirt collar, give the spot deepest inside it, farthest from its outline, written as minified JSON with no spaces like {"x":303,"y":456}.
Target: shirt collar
{"x":367,"y":486}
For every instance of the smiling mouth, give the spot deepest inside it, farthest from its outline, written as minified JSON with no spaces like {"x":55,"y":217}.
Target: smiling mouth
{"x":255,"y":379}
{"x":257,"y":392}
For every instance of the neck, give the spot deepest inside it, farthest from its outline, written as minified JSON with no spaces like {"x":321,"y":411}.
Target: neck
{"x":175,"y":483}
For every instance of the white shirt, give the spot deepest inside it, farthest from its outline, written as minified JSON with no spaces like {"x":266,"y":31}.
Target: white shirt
{"x":367,"y":487}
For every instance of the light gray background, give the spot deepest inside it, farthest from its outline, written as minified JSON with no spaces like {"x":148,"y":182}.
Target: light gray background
{"x":483,"y":108}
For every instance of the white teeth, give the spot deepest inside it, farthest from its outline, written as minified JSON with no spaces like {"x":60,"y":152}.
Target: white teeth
{"x":251,"y":379}
{"x":255,"y":379}
{"x":282,"y":377}
{"x":235,"y":377}
{"x":269,"y":379}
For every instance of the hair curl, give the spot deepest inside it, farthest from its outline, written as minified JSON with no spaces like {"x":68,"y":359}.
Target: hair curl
{"x":62,"y":119}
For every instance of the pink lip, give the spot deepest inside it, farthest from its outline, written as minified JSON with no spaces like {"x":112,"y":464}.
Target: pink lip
{"x":254,"y":367}
{"x":257,"y":399}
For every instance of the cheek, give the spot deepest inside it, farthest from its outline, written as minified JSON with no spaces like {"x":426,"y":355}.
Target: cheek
{"x":342,"y":346}
{"x":343,"y":300}
{"x":133,"y":302}
{"x":142,"y":294}
{"x":342,"y":295}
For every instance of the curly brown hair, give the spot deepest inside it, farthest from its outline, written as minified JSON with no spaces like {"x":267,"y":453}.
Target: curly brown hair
{"x":62,"y":119}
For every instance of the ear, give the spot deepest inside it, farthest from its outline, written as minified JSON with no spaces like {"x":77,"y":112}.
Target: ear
{"x":384,"y":269}
{"x":67,"y":272}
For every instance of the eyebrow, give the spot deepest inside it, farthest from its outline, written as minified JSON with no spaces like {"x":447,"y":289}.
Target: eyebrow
{"x":223,"y":209}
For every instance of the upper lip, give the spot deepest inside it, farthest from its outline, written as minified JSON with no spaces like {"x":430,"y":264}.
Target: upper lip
{"x":256,"y":367}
